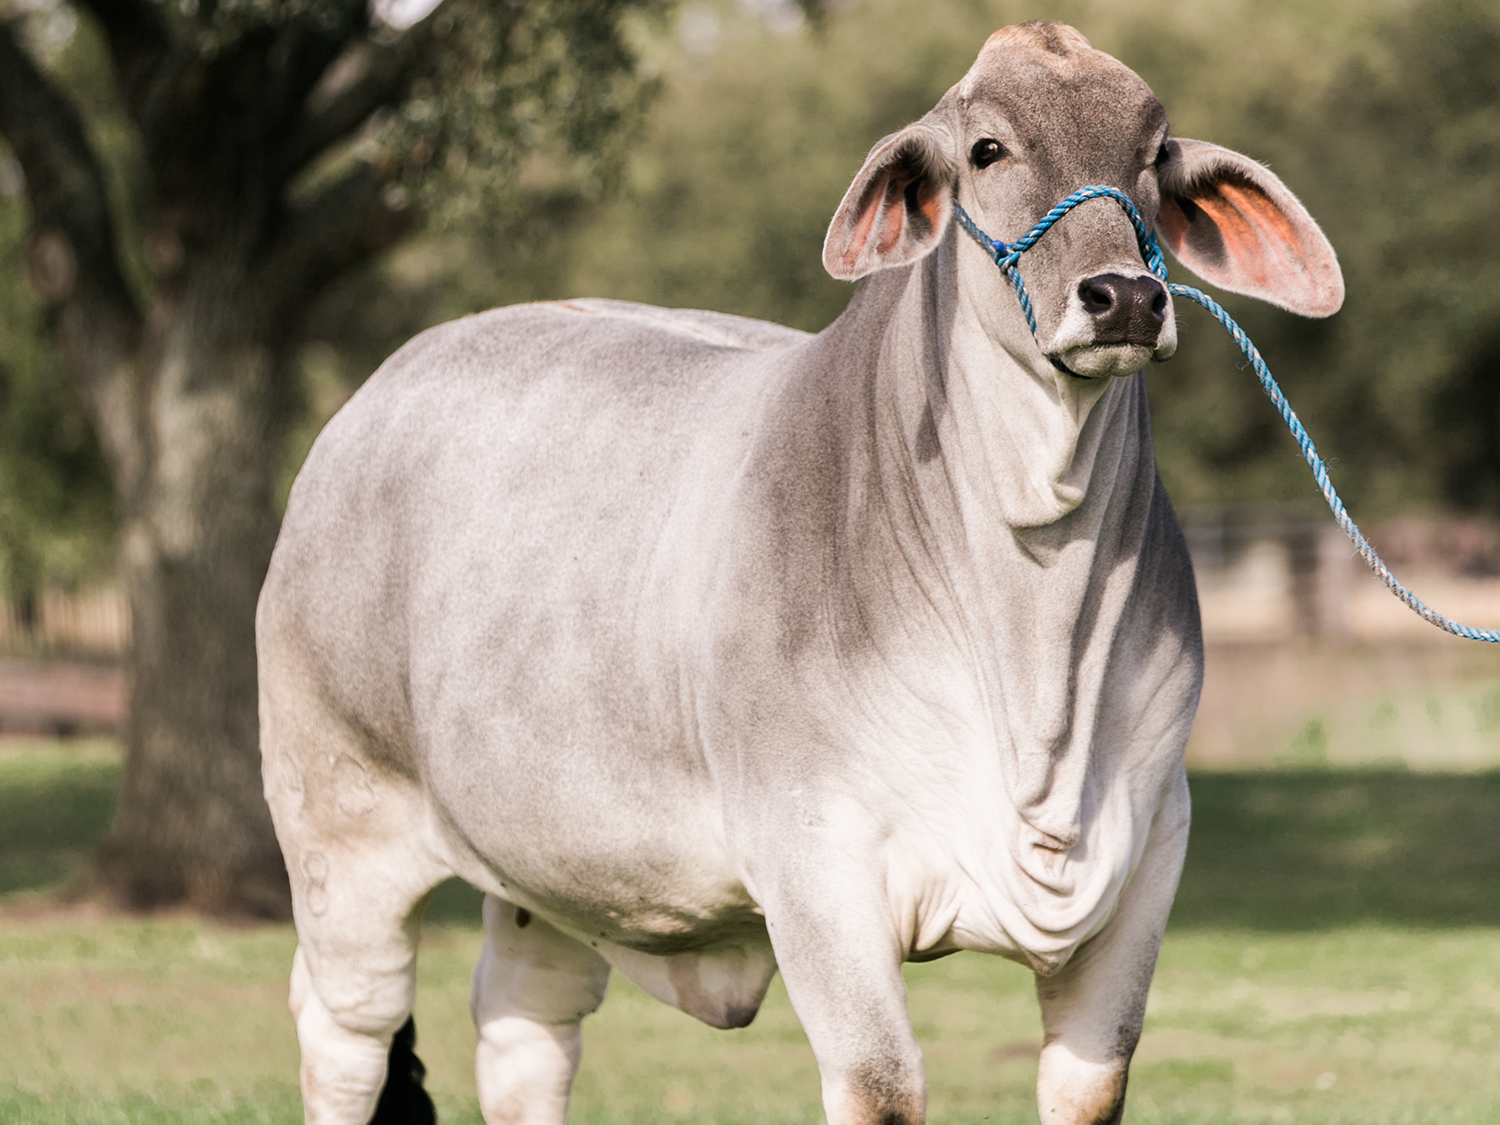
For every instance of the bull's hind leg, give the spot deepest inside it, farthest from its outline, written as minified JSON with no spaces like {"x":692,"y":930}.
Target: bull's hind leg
{"x":353,"y":832}
{"x":354,"y":978}
{"x":532,"y":987}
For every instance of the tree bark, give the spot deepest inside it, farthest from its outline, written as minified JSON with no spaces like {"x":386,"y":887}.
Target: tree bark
{"x":192,"y":826}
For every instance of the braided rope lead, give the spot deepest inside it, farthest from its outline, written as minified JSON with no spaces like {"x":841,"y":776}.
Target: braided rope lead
{"x":1008,"y":258}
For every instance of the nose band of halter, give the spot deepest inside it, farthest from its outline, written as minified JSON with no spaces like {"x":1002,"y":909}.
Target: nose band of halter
{"x":1007,"y":258}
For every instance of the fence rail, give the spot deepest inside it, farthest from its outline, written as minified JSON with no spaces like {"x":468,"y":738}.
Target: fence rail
{"x":1266,"y":572}
{"x":1271,"y":573}
{"x":90,"y":623}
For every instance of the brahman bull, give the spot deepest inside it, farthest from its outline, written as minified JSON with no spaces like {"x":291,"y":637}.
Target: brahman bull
{"x":709,"y":648}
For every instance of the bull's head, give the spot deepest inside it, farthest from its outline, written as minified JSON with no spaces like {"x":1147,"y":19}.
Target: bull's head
{"x":1039,"y":115}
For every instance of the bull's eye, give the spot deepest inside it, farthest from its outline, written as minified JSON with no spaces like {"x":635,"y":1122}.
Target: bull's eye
{"x":1163,"y":157}
{"x":986,"y":152}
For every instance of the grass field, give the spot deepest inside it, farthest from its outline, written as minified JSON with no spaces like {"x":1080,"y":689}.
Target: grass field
{"x":1334,"y":956}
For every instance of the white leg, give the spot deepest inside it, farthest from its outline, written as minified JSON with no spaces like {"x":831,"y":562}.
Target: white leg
{"x":532,"y":987}
{"x":354,"y":980}
{"x":342,"y":1070}
{"x":841,"y":960}
{"x":351,"y":834}
{"x":353,"y":983}
{"x":1093,"y":1008}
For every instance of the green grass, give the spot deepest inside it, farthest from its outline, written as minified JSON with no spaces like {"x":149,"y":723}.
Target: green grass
{"x":55,"y":803}
{"x":1334,"y":956}
{"x":182,"y":1021}
{"x":1308,"y":850}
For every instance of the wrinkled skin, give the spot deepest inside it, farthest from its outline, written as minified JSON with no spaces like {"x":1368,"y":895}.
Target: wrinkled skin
{"x":708,"y":648}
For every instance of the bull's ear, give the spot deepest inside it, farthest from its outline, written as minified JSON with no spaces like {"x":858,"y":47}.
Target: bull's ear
{"x":898,"y":207}
{"x":1235,"y":224}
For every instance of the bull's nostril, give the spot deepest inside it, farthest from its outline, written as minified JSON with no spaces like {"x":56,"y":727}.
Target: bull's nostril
{"x":1124,"y":310}
{"x":1095,"y":300}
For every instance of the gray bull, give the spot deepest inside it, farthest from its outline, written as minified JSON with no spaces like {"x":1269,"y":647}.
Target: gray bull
{"x":709,"y":648}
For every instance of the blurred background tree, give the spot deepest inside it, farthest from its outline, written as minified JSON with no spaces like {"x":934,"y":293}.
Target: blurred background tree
{"x":1385,"y":119}
{"x":56,"y":505}
{"x":195,"y":176}
{"x":533,"y":180}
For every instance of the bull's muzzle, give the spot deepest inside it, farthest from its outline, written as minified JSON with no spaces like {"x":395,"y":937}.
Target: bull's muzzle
{"x":1114,"y":325}
{"x":1124,"y":310}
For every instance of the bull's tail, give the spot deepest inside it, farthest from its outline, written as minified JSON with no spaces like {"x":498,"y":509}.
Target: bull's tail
{"x":403,"y":1101}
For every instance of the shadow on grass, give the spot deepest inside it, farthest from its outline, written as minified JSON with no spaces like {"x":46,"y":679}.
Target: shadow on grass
{"x":1282,"y":850}
{"x":454,"y":903}
{"x":1294,"y":850}
{"x":56,"y":804}
{"x":55,"y":807}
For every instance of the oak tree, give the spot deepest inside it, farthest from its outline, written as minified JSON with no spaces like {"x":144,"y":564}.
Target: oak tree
{"x":277,"y":145}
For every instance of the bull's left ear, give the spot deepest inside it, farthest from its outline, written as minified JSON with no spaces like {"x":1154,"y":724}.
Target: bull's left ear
{"x":1234,"y":223}
{"x":899,"y":205}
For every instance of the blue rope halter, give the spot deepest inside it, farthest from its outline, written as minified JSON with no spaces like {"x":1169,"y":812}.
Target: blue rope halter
{"x":1009,"y":257}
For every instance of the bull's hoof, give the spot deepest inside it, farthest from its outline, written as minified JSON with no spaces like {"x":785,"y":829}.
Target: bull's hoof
{"x":403,"y":1101}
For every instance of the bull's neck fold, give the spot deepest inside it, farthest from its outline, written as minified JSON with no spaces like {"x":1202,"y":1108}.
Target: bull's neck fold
{"x":1022,"y":495}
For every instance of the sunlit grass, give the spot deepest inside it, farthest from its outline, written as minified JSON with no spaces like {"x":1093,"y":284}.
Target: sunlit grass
{"x":181,"y":1021}
{"x":1334,"y":956}
{"x":1432,"y":706}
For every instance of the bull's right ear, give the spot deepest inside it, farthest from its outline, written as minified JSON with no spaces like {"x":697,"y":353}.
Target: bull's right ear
{"x":898,"y":207}
{"x":1235,"y":224}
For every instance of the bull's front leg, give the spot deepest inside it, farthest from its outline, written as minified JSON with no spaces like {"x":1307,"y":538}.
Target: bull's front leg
{"x":837,"y":948}
{"x":1093,"y":1008}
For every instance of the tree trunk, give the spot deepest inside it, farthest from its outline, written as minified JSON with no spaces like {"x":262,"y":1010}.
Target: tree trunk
{"x":192,"y":825}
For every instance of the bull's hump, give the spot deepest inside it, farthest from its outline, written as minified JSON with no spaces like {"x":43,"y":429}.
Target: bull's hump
{"x":720,"y":329}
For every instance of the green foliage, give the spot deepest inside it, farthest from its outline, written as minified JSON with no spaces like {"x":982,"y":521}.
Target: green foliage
{"x":544,"y":177}
{"x":1401,"y":161}
{"x":56,"y":504}
{"x":554,"y":81}
{"x":1385,"y":119}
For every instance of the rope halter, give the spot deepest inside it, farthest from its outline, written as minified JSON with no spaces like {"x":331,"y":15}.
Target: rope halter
{"x":1008,"y":257}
